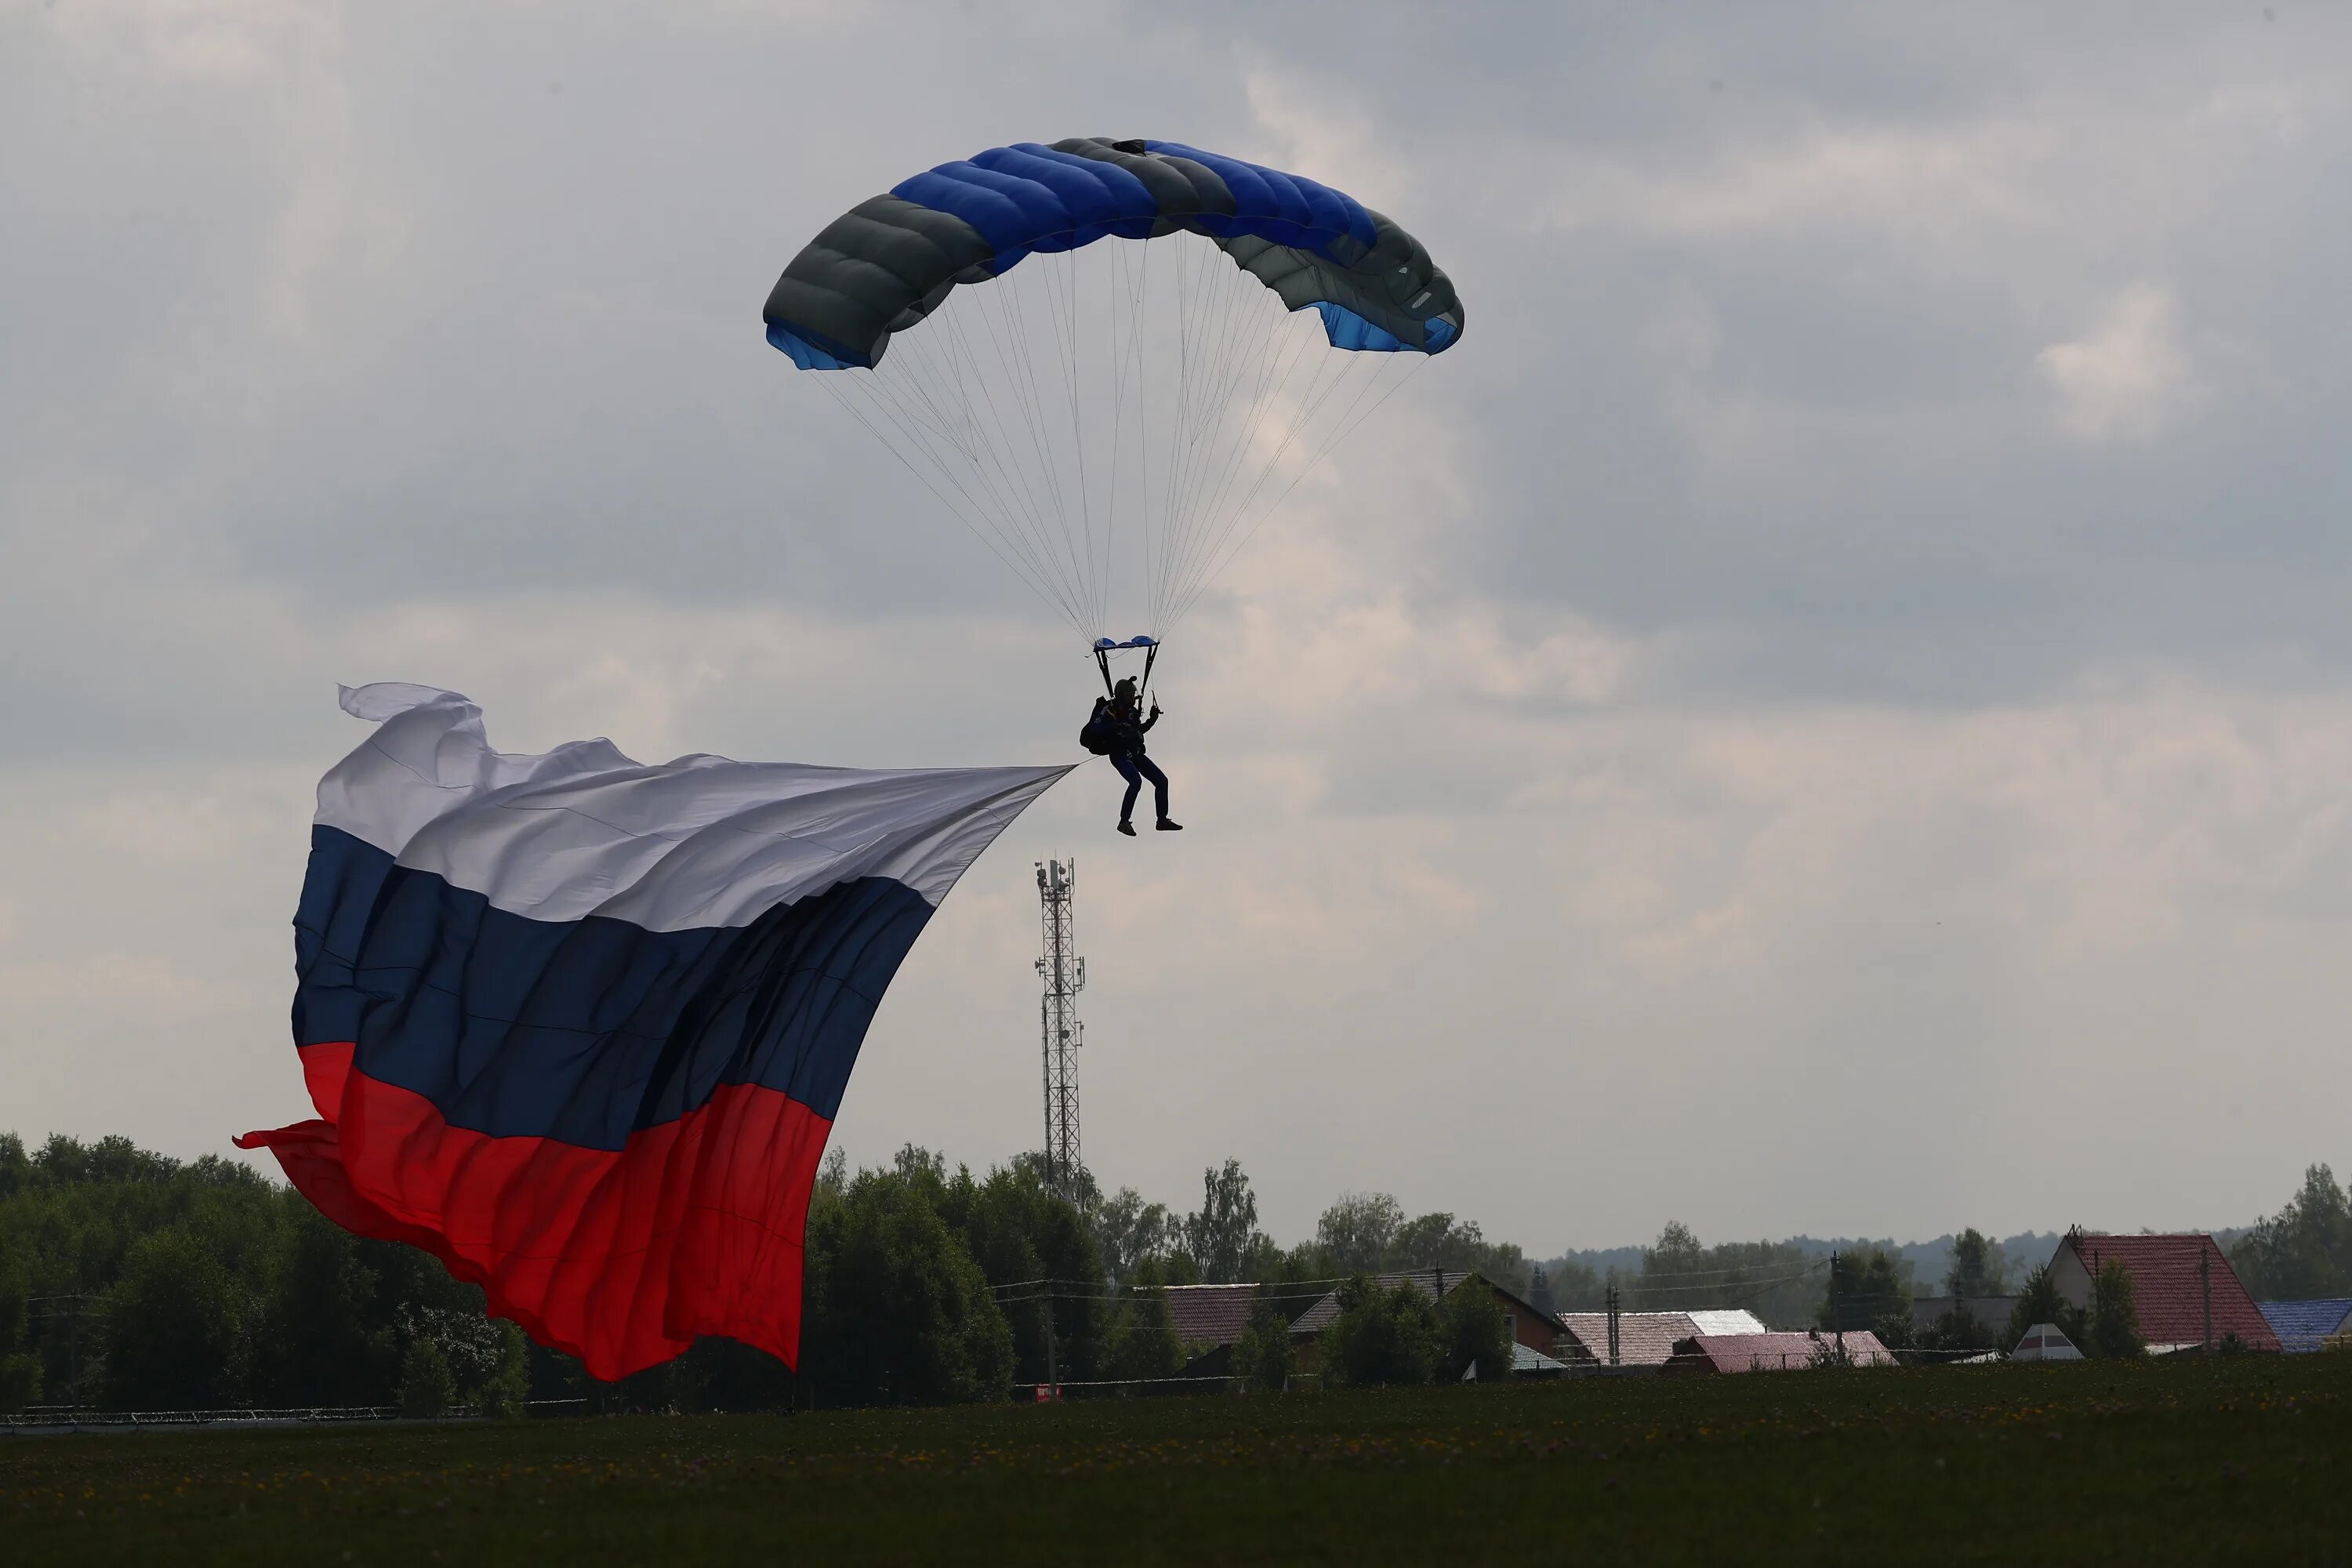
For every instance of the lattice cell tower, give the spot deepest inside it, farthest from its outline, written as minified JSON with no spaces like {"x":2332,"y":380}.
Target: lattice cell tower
{"x":1065,"y":975}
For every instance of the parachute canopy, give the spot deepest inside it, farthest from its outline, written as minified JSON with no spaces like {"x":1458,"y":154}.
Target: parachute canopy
{"x":1047,"y":405}
{"x":579,"y":1026}
{"x":890,"y":260}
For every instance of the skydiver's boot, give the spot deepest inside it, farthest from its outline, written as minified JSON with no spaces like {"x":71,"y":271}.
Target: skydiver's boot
{"x":1127,"y":827}
{"x":1166,"y":824}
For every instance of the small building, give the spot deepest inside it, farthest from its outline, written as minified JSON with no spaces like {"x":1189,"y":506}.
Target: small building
{"x":1787,"y":1352}
{"x":2045,"y":1341}
{"x":1532,"y":1328}
{"x":2306,"y":1326}
{"x":1644,"y":1340}
{"x":1208,"y":1319}
{"x":1526,"y":1363}
{"x":2187,"y":1295}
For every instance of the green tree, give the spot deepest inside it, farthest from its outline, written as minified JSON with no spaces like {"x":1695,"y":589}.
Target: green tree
{"x":2038,"y":1302}
{"x":175,"y":1330}
{"x":1359,"y":1231}
{"x":1477,"y":1333}
{"x":1131,"y":1231}
{"x":1575,"y":1287}
{"x":1867,"y":1290}
{"x":331,"y":1342}
{"x":1441,"y":1241}
{"x":1978,"y":1267}
{"x":1144,"y":1342}
{"x":504,"y":1384}
{"x":1024,"y":1235}
{"x":1221,"y":1236}
{"x":895,"y":1312}
{"x":1384,"y":1335}
{"x":15,"y":1165}
{"x":20,"y":1368}
{"x":1264,"y":1355}
{"x":2305,"y":1249}
{"x":2112,"y":1329}
{"x":427,"y":1387}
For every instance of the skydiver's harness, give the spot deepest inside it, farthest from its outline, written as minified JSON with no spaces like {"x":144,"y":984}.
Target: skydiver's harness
{"x":1100,"y":734}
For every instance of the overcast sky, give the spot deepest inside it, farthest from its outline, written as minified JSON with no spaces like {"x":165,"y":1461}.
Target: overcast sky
{"x":1829,"y":712}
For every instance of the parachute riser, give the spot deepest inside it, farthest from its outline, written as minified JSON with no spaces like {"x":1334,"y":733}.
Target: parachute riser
{"x":1110,"y":688}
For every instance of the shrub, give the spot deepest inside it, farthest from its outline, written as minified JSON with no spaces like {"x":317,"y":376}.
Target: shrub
{"x":1264,"y":1356}
{"x":427,"y":1387}
{"x":1384,"y":1335}
{"x":1477,"y":1333}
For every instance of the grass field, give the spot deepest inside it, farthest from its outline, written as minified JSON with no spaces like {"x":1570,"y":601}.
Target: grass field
{"x":2225,"y":1461}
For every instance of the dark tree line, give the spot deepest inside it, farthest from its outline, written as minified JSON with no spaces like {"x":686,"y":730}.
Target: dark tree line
{"x":129,"y":1280}
{"x":2304,"y":1250}
{"x":132,"y":1281}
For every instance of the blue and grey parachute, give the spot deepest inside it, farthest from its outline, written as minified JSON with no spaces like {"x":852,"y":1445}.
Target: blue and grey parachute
{"x":1050,"y":338}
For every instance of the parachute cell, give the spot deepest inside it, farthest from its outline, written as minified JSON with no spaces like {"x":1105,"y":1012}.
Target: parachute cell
{"x":579,"y":1026}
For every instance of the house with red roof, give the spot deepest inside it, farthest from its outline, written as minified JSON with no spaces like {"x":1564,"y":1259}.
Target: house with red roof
{"x":1533,"y":1332}
{"x":2187,"y":1296}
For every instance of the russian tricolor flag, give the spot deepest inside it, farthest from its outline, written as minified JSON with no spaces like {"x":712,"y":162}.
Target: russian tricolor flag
{"x":579,"y":1026}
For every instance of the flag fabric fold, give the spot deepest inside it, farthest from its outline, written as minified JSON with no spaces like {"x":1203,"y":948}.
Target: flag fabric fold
{"x":579,"y":1026}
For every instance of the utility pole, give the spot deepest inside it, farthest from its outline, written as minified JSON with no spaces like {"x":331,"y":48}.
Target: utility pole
{"x":1612,"y":1303}
{"x":2205,"y":1290}
{"x":1837,"y":1307}
{"x":1065,"y":975}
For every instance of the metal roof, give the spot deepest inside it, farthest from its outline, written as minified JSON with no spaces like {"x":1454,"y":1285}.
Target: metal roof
{"x":2304,"y":1326}
{"x":1643,"y":1339}
{"x":1525,"y":1360}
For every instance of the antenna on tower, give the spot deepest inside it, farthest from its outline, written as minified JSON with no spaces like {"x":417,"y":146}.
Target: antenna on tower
{"x":1065,"y":975}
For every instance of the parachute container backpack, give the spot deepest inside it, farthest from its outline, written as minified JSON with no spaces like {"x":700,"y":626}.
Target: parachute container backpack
{"x":578,"y":1025}
{"x":1112,"y":361}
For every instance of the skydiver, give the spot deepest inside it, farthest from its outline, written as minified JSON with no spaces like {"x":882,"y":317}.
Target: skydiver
{"x":1119,"y":734}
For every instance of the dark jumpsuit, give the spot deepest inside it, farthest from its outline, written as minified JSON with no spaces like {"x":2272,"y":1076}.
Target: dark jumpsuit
{"x":1127,"y":756}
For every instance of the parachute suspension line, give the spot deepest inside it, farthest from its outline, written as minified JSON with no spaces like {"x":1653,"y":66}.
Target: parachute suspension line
{"x":1318,"y":392}
{"x":1213,"y":321}
{"x":928,"y":385}
{"x":1035,"y":584}
{"x":1007,"y":516}
{"x":1235,"y":399}
{"x":1081,"y":552}
{"x":1138,"y":337}
{"x":1189,"y":550}
{"x":1347,"y":428}
{"x":1218,"y":317}
{"x":1118,"y":291}
{"x":1209,"y":484}
{"x":1003,"y":517}
{"x":1253,"y":421}
{"x":1003,"y":452}
{"x":1068,"y":362}
{"x":1016,"y":333}
{"x":1330,"y":372}
{"x":1172,"y":468}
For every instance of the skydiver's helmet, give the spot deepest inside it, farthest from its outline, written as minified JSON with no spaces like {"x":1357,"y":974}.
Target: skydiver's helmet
{"x":1123,"y":692}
